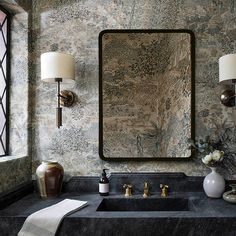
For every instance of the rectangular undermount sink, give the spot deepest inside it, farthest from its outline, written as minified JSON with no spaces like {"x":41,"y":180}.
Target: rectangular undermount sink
{"x":144,"y":204}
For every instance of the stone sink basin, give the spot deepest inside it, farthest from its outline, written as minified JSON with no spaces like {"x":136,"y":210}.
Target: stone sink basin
{"x":144,"y":204}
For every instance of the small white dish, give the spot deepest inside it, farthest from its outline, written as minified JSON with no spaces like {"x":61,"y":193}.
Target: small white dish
{"x":230,"y":196}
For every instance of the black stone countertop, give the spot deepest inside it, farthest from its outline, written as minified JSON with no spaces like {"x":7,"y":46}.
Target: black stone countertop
{"x":88,"y":221}
{"x":205,"y":217}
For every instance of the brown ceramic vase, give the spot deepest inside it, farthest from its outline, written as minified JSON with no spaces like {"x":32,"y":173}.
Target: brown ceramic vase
{"x":49,"y":179}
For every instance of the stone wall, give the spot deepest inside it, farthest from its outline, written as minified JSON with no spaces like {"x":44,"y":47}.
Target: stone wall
{"x":73,"y":27}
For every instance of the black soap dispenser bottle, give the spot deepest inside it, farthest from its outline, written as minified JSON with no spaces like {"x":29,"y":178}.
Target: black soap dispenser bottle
{"x":104,"y":184}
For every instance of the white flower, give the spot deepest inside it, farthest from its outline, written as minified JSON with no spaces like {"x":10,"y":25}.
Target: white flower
{"x":207,"y":159}
{"x":216,"y":155}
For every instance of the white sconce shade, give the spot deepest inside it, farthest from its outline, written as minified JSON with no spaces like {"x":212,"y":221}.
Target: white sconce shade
{"x":57,"y":65}
{"x":227,"y":68}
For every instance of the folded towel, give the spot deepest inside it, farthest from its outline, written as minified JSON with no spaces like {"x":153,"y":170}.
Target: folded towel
{"x":46,"y":221}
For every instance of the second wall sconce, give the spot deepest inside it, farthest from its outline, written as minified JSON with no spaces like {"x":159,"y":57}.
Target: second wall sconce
{"x":227,"y":75}
{"x":59,"y":68}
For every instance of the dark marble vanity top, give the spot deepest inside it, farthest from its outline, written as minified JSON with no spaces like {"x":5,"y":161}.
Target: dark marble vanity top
{"x":204,"y":216}
{"x":202,"y":206}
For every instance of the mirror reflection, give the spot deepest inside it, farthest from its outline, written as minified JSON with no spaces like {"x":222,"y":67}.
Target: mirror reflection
{"x":145,"y":93}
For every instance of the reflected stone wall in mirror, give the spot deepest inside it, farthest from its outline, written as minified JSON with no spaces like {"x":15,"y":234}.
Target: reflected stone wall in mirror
{"x":146,"y":83}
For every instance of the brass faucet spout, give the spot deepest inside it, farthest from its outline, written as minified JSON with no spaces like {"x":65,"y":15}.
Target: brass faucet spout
{"x":146,"y":192}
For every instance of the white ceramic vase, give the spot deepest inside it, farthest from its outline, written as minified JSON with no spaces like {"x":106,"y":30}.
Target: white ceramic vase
{"x":214,"y":184}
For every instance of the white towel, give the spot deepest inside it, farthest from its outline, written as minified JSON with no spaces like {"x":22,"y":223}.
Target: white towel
{"x":46,"y":221}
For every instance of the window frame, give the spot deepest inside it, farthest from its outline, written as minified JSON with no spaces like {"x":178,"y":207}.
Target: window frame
{"x":8,"y":16}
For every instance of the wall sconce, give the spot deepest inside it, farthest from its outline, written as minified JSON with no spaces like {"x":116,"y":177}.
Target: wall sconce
{"x":59,"y":68}
{"x":227,"y":75}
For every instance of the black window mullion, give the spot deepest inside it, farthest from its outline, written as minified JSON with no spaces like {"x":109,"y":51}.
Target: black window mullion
{"x":2,"y":31}
{"x":3,"y":130}
{"x":4,"y":112}
{"x":4,"y":20}
{"x":3,"y":73}
{"x":3,"y":36}
{"x":4,"y":107}
{"x":3,"y":146}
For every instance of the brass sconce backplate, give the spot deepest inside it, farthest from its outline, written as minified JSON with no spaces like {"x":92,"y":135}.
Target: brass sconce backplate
{"x":67,"y":98}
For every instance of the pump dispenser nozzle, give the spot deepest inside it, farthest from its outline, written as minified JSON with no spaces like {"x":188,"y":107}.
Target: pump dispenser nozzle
{"x":104,"y":174}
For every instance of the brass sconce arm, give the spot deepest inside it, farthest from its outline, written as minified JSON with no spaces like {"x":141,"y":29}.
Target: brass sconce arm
{"x":65,"y":98}
{"x":58,"y":109}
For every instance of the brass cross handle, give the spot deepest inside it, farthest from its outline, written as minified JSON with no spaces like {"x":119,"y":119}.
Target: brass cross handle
{"x":164,"y":190}
{"x":128,"y":190}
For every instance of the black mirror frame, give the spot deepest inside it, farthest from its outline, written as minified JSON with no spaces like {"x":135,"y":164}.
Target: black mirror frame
{"x":192,"y":45}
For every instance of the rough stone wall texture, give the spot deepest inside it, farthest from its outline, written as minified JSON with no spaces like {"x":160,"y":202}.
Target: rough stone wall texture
{"x":14,"y":171}
{"x":73,"y":27}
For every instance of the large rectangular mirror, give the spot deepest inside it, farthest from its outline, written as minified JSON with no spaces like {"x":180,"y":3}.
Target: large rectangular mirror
{"x":145,"y":94}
